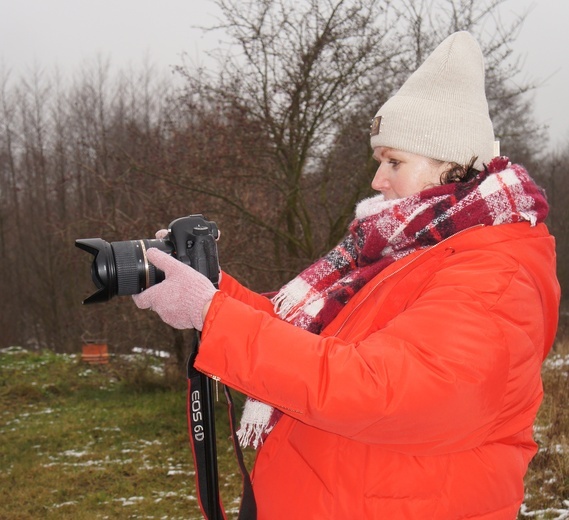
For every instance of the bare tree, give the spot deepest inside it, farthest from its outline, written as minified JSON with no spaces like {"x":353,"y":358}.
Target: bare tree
{"x":553,"y":175}
{"x":309,"y":75}
{"x":65,"y":172}
{"x":296,"y":70}
{"x":273,"y":145}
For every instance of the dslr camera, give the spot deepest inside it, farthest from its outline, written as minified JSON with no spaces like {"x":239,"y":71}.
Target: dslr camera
{"x":122,"y":268}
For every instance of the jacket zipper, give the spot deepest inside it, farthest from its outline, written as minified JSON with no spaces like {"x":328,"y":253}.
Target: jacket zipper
{"x":218,"y":380}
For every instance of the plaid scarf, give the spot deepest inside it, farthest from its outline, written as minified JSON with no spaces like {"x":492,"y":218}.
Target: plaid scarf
{"x":385,"y":231}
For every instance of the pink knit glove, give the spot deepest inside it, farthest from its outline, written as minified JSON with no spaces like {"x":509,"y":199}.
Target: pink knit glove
{"x":180,"y":299}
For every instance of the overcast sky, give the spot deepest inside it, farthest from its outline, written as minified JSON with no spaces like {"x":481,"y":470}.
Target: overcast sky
{"x":71,"y":33}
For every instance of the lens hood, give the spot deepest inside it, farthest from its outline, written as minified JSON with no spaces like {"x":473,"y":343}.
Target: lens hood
{"x":103,"y":271}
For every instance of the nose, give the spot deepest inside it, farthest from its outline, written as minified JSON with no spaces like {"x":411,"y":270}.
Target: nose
{"x":380,"y":181}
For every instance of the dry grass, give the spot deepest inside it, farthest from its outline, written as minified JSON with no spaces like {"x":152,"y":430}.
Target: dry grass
{"x":547,"y":481}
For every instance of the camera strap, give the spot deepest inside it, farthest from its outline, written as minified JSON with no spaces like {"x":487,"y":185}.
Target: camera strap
{"x":248,"y":509}
{"x":201,"y":426}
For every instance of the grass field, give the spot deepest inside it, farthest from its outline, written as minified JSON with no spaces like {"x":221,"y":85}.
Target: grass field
{"x":105,"y":442}
{"x":88,"y":442}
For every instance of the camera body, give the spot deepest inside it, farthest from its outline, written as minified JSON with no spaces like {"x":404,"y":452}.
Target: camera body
{"x":122,"y":268}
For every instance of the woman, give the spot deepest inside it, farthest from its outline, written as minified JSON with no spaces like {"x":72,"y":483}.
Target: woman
{"x":398,"y":376}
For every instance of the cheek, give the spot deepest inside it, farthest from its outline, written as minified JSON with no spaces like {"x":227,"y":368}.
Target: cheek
{"x":430,"y":177}
{"x":416,"y":181}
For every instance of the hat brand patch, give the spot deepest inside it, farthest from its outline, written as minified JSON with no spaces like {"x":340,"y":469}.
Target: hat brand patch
{"x":375,"y":126}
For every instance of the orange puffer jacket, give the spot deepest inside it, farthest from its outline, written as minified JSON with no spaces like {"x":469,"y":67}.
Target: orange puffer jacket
{"x":417,"y":401}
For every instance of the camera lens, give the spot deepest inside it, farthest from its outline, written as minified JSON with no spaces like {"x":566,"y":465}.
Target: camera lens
{"x":122,"y":268}
{"x":134,"y":272}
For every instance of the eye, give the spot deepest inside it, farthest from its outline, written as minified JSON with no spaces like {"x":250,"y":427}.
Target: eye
{"x":394,"y":162}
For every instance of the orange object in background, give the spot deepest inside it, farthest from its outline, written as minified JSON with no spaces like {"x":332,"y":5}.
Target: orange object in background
{"x":95,"y":353}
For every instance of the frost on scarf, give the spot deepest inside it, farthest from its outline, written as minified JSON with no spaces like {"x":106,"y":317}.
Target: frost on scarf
{"x":384,"y":231}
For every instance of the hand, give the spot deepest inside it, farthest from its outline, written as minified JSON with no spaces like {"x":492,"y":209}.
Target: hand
{"x":181,"y":298}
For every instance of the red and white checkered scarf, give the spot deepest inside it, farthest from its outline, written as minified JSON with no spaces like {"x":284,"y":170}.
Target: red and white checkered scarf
{"x":385,"y":231}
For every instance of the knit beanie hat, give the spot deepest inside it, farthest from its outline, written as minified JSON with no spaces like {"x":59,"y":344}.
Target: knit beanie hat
{"x":441,"y":110}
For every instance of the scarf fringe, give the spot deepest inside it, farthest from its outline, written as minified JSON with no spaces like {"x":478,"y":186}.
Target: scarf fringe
{"x":284,"y":304}
{"x":257,"y":422}
{"x":253,"y":435}
{"x":287,"y":302}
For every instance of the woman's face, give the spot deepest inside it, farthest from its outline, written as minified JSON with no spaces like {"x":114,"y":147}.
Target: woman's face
{"x":401,"y":174}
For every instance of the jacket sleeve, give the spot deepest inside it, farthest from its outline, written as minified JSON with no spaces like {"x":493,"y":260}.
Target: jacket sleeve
{"x":432,"y":380}
{"x":233,"y":288}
